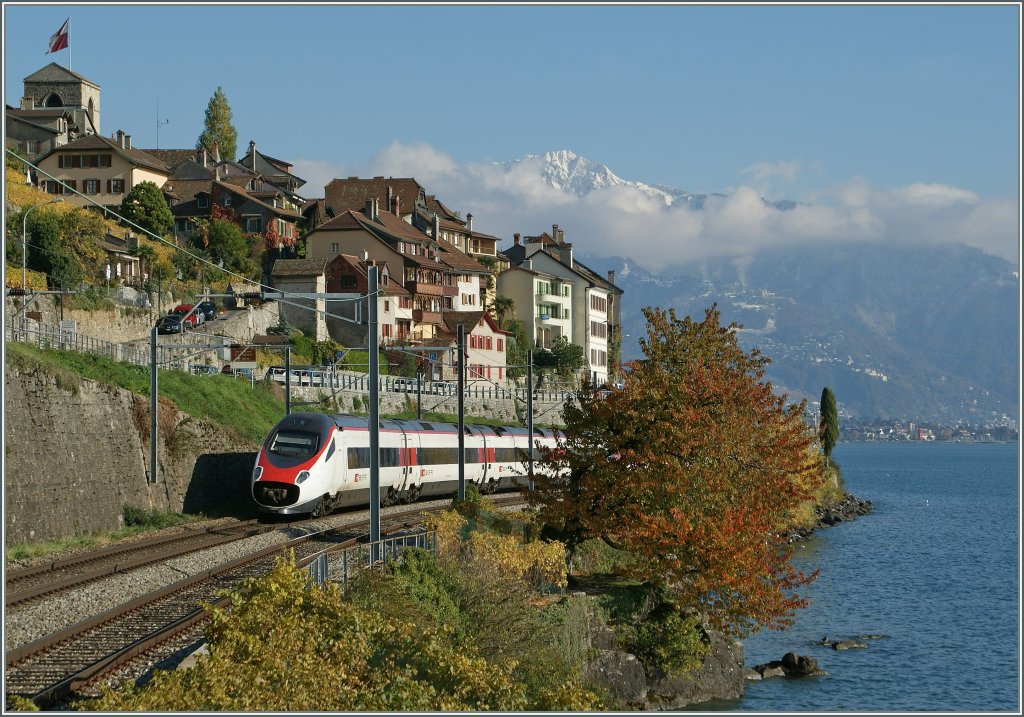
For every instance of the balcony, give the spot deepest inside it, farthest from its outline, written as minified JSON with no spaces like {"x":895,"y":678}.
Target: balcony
{"x":426,"y":317}
{"x":422,"y":288}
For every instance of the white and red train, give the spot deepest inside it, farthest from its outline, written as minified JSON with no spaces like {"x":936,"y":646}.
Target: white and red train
{"x":316,"y":463}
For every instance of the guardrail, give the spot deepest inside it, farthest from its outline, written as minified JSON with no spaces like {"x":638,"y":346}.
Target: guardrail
{"x":53,"y":337}
{"x":368,"y":555}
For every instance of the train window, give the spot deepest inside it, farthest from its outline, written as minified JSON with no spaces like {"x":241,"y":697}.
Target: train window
{"x":427,"y":426}
{"x":473,"y":455}
{"x":294,"y":443}
{"x":358,"y":458}
{"x":388,"y":457}
{"x":437,"y":456}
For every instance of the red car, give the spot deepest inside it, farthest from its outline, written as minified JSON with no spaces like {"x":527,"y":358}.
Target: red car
{"x":193,"y":320}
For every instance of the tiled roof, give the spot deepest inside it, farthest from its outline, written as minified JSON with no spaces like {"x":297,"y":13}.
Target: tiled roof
{"x":344,"y":194}
{"x":437,"y":206}
{"x":94,"y":141}
{"x":188,"y":188}
{"x":468,"y":319}
{"x":394,"y":287}
{"x":457,"y":260}
{"x":299,"y":267}
{"x":173,"y":157}
{"x":40,"y":112}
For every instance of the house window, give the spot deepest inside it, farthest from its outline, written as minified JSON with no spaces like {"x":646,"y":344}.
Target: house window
{"x":252,"y":224}
{"x":348,"y":281}
{"x":203,"y":201}
{"x":387,"y":306}
{"x":115,"y":186}
{"x":227,"y":200}
{"x":334,"y":247}
{"x":30,"y":146}
{"x":92,"y":186}
{"x":501,"y":345}
{"x":598,"y":303}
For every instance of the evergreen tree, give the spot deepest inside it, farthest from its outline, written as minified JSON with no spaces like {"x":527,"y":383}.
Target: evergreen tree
{"x":217,"y":127}
{"x":145,"y":205}
{"x":828,"y":429}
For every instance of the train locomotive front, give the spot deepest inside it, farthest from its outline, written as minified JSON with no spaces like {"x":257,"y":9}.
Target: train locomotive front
{"x":296,"y":470}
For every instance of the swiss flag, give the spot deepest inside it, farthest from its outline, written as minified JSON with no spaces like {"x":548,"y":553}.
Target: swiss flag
{"x":59,"y":40}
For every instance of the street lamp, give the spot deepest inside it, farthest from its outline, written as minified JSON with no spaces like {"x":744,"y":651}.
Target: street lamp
{"x":24,"y":226}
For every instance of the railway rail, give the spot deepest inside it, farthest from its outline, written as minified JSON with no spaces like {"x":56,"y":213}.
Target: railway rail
{"x":64,"y":663}
{"x":30,"y":584}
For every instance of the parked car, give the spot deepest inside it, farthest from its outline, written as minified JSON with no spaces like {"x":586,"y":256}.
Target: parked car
{"x":201,"y":369}
{"x":208,"y":310}
{"x":408,"y":385}
{"x":193,"y":320}
{"x":445,"y":388}
{"x":170,"y":324}
{"x":229,"y":370}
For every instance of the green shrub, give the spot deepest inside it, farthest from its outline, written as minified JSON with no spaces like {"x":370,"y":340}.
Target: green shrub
{"x":671,"y":641}
{"x":153,"y":519}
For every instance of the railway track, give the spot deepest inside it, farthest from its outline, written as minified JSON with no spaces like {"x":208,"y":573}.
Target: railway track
{"x":30,"y":584}
{"x":62,"y":664}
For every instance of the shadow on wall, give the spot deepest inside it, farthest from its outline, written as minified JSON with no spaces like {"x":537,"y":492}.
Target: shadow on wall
{"x":220,"y":486}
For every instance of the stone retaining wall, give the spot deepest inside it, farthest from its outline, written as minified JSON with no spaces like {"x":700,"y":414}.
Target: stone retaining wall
{"x":77,"y":451}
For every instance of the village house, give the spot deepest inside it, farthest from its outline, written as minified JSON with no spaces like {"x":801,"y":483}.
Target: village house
{"x":438,"y":280}
{"x":104,"y":170}
{"x":542,"y":301}
{"x":595,"y":310}
{"x":348,"y":319}
{"x":486,"y":347}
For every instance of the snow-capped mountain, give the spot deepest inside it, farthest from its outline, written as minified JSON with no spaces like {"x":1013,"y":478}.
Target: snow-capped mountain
{"x":874,"y":322}
{"x":565,"y":170}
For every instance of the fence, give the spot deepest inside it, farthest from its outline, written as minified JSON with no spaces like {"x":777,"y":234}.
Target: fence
{"x":368,"y":555}
{"x":53,"y":337}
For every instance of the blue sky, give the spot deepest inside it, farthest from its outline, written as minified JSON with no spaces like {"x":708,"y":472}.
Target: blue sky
{"x":797,"y":102}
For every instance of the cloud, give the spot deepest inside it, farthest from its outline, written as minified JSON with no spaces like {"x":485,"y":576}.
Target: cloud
{"x":626,"y":221}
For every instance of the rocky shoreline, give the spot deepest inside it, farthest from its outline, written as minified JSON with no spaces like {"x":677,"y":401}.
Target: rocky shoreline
{"x":723,"y":674}
{"x":849,"y":508}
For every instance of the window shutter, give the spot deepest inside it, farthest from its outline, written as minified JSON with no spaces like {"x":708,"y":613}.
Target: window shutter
{"x":110,"y":188}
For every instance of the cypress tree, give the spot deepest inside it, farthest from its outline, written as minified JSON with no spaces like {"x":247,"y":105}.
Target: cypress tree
{"x":828,"y":429}
{"x":217,"y":127}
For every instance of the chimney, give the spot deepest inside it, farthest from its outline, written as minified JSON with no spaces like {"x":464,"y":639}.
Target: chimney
{"x":469,"y":222}
{"x":517,"y":239}
{"x":204,"y":156}
{"x":565,"y":253}
{"x":119,"y":138}
{"x":127,"y":141}
{"x":395,"y":205}
{"x":391,"y":193}
{"x":252,"y":153}
{"x":554,"y":233}
{"x":28,"y":103}
{"x":216,"y":172}
{"x":611,"y":276}
{"x":437,"y":227}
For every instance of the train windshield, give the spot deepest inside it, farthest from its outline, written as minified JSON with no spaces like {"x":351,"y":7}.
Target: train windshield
{"x":295,"y":443}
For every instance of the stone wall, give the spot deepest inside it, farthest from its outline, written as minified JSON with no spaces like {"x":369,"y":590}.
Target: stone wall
{"x":75,"y":452}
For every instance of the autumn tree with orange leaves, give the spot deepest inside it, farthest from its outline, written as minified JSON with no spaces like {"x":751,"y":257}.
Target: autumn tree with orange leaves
{"x":694,"y":468}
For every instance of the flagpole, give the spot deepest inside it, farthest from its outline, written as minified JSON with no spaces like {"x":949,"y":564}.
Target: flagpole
{"x":69,"y":42}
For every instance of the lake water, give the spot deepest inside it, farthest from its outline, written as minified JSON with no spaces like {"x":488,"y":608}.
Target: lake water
{"x":934,"y":570}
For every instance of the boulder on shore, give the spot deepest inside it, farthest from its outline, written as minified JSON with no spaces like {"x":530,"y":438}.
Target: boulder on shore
{"x":791,"y":665}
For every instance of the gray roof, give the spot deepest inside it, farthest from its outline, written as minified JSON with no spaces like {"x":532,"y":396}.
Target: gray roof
{"x":299,"y":267}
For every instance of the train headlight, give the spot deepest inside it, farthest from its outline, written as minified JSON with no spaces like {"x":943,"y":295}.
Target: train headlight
{"x":301,"y":477}
{"x":256,"y":473}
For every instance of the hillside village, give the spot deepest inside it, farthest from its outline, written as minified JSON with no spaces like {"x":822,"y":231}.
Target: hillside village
{"x":437,"y":270}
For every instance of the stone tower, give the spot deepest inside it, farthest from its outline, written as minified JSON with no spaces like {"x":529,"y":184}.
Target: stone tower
{"x":56,"y":86}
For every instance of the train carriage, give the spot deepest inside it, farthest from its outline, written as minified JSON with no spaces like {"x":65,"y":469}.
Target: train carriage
{"x":316,"y":463}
